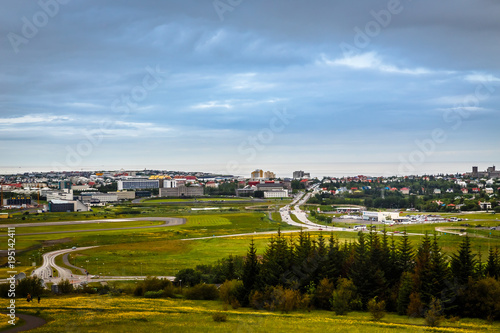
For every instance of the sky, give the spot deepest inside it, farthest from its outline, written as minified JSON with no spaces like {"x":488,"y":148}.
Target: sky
{"x":234,"y":85}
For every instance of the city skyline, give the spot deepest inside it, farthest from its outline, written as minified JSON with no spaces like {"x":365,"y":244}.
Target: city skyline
{"x":255,"y":84}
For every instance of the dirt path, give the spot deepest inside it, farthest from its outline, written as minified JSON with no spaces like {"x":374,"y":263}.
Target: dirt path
{"x":31,"y":322}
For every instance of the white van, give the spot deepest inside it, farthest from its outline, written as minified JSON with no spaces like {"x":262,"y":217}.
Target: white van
{"x":360,"y":227}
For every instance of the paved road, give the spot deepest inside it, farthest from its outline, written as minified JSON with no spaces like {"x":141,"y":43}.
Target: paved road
{"x":31,"y":322}
{"x":46,"y":270}
{"x":168,"y":222}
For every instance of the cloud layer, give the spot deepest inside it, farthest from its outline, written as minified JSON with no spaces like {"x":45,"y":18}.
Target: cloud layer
{"x":178,"y":81}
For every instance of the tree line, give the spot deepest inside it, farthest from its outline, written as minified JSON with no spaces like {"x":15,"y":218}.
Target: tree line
{"x":328,"y":274}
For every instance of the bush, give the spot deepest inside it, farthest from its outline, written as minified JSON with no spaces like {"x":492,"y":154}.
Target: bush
{"x":344,"y":297}
{"x":189,"y":277}
{"x":279,"y":298}
{"x":153,"y":294}
{"x":65,"y":287}
{"x":31,"y":285}
{"x":229,"y":291}
{"x":219,"y":317}
{"x":377,"y":309}
{"x":153,"y":284}
{"x":434,"y":316}
{"x":415,"y":308}
{"x":202,"y":292}
{"x":323,"y":294}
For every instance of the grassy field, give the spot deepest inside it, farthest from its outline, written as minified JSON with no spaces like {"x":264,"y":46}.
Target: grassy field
{"x":195,"y":200}
{"x":198,"y":225}
{"x":130,"y":314}
{"x":80,"y":227}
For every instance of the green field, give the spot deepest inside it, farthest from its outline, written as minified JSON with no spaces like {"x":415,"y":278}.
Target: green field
{"x":82,"y":227}
{"x":132,"y":314}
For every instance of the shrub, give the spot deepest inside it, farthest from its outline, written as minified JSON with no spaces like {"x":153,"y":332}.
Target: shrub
{"x":230,"y":290}
{"x":415,"y":308}
{"x":65,"y":287}
{"x":344,"y":297}
{"x":202,"y":292}
{"x":153,"y":294}
{"x":219,"y":317}
{"x":189,"y":277}
{"x":377,"y":309}
{"x":154,"y":284}
{"x":323,"y":294}
{"x":434,"y":316}
{"x":30,"y":285}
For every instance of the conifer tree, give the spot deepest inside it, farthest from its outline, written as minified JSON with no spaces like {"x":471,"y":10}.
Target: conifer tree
{"x":463,"y":263}
{"x":250,"y":273}
{"x":493,"y":264}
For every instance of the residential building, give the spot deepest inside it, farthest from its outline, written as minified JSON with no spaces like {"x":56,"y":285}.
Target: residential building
{"x":405,"y":190}
{"x":437,"y":191}
{"x":301,"y":174}
{"x":484,"y":205}
{"x":269,"y":175}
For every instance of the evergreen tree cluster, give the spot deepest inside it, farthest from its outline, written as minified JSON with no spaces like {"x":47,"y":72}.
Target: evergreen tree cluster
{"x":348,"y":275}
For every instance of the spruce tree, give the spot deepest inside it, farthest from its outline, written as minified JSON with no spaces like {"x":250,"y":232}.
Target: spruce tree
{"x":423,"y":275}
{"x":493,"y":264}
{"x":463,"y":263}
{"x":250,"y":274}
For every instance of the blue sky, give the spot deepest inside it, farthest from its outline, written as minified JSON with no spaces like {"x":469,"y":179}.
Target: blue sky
{"x":238,"y":85}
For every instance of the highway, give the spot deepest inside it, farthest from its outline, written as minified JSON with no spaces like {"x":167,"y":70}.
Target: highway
{"x":301,"y":199}
{"x":45,"y":271}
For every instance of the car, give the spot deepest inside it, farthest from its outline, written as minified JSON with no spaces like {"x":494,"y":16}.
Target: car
{"x":73,"y":248}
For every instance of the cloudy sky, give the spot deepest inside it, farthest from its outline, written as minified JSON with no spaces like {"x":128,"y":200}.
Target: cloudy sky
{"x":232,"y":85}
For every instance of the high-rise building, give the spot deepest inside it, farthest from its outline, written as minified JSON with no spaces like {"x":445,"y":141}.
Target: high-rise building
{"x":257,"y":174}
{"x":269,"y":175}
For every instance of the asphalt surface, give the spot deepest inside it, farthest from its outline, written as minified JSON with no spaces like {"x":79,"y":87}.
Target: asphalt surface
{"x":31,"y":322}
{"x":45,"y":271}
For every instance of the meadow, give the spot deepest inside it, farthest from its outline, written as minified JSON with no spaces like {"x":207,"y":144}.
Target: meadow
{"x":132,"y":314}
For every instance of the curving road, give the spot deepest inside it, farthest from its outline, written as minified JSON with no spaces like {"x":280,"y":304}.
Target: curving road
{"x":45,"y":271}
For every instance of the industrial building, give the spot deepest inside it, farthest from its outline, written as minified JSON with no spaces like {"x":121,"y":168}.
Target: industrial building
{"x":17,"y":201}
{"x":58,"y":206}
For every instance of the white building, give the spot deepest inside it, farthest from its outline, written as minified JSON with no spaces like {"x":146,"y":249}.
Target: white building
{"x":276,"y":194}
{"x":380,"y":216}
{"x":137,"y":184}
{"x":169,"y":183}
{"x":65,"y":195}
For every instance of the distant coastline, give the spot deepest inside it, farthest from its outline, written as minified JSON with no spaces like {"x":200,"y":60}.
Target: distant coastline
{"x":282,"y":170}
